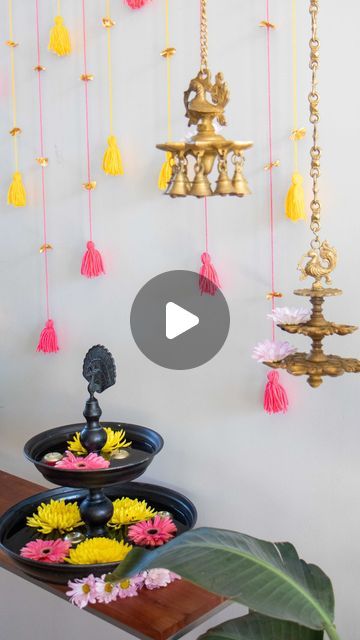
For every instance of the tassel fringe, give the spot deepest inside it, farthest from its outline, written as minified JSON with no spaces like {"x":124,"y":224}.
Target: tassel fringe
{"x":166,"y":172}
{"x":112,"y":162}
{"x":16,"y":193}
{"x":92,"y":264}
{"x":275,"y":396}
{"x":295,"y":199}
{"x":136,"y":4}
{"x":208,"y":278}
{"x":48,"y":342}
{"x":59,"y":41}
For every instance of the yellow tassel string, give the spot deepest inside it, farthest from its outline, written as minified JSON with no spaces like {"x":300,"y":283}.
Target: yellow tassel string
{"x":16,"y":193}
{"x":112,"y":162}
{"x":295,"y":199}
{"x":59,"y":41}
{"x":167,"y":167}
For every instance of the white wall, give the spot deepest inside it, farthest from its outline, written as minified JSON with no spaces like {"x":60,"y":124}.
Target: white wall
{"x":282,"y":478}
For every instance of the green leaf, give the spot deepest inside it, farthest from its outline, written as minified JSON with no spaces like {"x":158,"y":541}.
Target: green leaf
{"x":257,"y":627}
{"x":268,"y":578}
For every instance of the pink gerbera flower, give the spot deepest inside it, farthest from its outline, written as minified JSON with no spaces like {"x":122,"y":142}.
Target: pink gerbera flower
{"x":157,"y":578}
{"x":82,"y":591}
{"x":90,"y":462}
{"x":153,"y":532}
{"x":46,"y":550}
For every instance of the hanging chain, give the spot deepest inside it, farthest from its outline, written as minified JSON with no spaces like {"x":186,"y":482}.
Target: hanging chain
{"x":203,"y":36}
{"x":315,"y":151}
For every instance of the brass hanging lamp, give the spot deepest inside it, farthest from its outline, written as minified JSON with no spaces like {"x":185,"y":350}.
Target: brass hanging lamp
{"x":205,"y":103}
{"x":318,"y":263}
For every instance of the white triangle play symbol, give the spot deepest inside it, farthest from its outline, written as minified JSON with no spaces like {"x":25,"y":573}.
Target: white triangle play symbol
{"x":178,"y":320}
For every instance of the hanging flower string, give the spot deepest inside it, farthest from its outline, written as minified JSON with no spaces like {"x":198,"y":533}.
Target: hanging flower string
{"x":59,"y":40}
{"x":167,"y":53}
{"x":92,"y":263}
{"x":48,"y":342}
{"x":112,"y":162}
{"x":275,"y":398}
{"x":295,"y":200}
{"x":16,"y":195}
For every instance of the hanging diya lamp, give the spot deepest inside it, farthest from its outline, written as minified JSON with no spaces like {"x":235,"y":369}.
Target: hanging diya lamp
{"x":205,"y":103}
{"x":318,"y":263}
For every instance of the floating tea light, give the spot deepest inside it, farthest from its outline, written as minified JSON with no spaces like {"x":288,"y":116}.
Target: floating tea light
{"x":52,"y":458}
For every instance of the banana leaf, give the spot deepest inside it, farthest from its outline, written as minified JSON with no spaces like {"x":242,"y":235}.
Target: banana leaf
{"x":257,"y":627}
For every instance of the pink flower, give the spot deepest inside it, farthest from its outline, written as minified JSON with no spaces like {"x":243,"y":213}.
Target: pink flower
{"x":46,"y":550}
{"x":91,"y":462}
{"x":105,"y":591}
{"x":82,"y":591}
{"x":157,"y":578}
{"x":272,"y":351}
{"x":153,"y":532}
{"x":129,"y":588}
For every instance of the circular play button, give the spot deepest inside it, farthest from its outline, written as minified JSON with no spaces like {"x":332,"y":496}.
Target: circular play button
{"x":174,"y":325}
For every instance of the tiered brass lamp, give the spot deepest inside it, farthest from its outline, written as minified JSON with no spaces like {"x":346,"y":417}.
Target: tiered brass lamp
{"x":193,"y":160}
{"x":318,"y":263}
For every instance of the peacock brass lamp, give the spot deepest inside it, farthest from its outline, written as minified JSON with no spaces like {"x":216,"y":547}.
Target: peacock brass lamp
{"x":193,"y":160}
{"x":318,"y":263}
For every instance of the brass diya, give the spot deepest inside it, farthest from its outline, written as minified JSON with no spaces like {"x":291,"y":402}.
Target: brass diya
{"x":205,"y":102}
{"x":318,"y":263}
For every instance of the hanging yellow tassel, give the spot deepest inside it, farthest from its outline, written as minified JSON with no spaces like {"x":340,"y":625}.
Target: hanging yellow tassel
{"x":59,"y":41}
{"x":166,"y":172}
{"x":112,"y":162}
{"x":16,"y":193}
{"x":295,"y":199}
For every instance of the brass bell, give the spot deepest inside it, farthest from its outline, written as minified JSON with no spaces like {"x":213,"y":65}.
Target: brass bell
{"x":201,"y":186}
{"x":224,"y":185}
{"x":179,"y":185}
{"x":239,"y":183}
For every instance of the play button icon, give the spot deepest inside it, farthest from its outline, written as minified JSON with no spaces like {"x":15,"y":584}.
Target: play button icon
{"x":174,"y":325}
{"x":178,"y":320}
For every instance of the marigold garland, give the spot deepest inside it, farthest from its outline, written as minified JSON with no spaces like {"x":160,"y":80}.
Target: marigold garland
{"x":56,"y":515}
{"x":98,"y":551}
{"x":115,"y":440}
{"x":127,"y":511}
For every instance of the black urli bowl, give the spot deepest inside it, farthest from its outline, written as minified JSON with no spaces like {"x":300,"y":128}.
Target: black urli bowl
{"x":146,"y":443}
{"x":14,"y":533}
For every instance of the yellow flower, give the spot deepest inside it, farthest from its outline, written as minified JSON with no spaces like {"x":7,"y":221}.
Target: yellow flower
{"x":98,"y":551}
{"x":115,"y":440}
{"x":127,"y":511}
{"x":58,"y":515}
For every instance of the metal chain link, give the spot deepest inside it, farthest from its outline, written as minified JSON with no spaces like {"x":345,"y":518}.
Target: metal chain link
{"x":315,"y":151}
{"x":203,"y":36}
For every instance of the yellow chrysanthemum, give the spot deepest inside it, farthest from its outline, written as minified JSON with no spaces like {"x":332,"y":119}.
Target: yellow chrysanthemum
{"x":56,"y":515}
{"x":128,"y":511}
{"x":98,"y":551}
{"x":115,"y":440}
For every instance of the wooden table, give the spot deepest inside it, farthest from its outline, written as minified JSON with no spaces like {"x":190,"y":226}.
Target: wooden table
{"x":159,"y":615}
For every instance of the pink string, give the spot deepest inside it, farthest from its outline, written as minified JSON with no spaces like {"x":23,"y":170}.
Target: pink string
{"x":87,"y":119}
{"x":206,"y":225}
{"x":41,"y":122}
{"x":271,"y":158}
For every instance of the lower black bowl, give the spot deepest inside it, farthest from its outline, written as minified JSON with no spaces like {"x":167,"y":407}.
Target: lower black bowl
{"x":14,"y":533}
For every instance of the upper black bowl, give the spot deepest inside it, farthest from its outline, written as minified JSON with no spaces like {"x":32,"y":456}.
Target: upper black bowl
{"x":14,"y":533}
{"x":146,"y":443}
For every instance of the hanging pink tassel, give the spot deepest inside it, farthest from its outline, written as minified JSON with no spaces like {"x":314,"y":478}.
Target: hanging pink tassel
{"x":136,"y":4}
{"x":208,"y":278}
{"x":48,"y":342}
{"x":92,"y":263}
{"x":275,"y":397}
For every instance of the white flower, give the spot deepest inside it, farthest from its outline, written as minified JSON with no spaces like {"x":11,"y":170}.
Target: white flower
{"x":286,"y":315}
{"x":82,"y":591}
{"x":105,"y":591}
{"x":272,"y":351}
{"x":157,"y":578}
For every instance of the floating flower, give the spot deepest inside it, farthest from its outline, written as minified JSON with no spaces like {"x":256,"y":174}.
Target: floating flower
{"x":152,"y":533}
{"x":289,"y":315}
{"x":82,"y":591}
{"x":115,"y":440}
{"x":98,"y":551}
{"x":46,"y":550}
{"x":128,"y":511}
{"x":105,"y":591}
{"x":272,"y":351}
{"x":56,"y":515}
{"x":91,"y":462}
{"x":157,"y":578}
